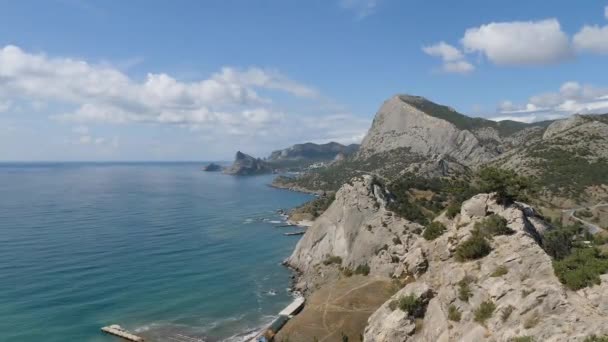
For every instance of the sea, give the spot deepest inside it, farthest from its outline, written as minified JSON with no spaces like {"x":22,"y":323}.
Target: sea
{"x":165,"y":250}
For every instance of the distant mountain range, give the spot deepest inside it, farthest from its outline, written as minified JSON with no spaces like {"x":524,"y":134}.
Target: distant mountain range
{"x":294,"y":158}
{"x":411,"y":134}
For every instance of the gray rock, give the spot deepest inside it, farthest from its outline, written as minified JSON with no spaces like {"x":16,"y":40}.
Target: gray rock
{"x":246,"y":165}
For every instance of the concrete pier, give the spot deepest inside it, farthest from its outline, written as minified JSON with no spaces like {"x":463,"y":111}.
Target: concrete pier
{"x":118,"y":331}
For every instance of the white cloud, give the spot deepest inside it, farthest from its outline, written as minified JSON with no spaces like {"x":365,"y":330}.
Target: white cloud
{"x":592,"y":39}
{"x":453,"y":59}
{"x":446,"y":52}
{"x":519,"y":42}
{"x":246,"y":102}
{"x":107,"y":94}
{"x":362,"y":8}
{"x":572,"y":98}
{"x":459,"y":67}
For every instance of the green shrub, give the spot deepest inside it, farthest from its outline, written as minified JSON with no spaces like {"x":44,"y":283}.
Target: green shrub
{"x":500,"y":271}
{"x":484,"y":311}
{"x":493,"y":225}
{"x":581,"y":268}
{"x":558,"y":243}
{"x":362,"y":269}
{"x":507,"y":184}
{"x":412,"y":305}
{"x":464,"y":290}
{"x":347,"y":272}
{"x":453,"y":210}
{"x":454,"y":314}
{"x":396,"y":240}
{"x":475,"y":247}
{"x":332,"y":259}
{"x":433,"y":230}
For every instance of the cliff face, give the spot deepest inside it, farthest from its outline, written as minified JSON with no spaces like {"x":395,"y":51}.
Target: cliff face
{"x":529,"y":300}
{"x":400,"y":124}
{"x":356,"y":227}
{"x":359,"y":230}
{"x":246,"y":165}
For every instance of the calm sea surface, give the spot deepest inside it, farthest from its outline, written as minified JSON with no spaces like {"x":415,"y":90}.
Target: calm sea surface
{"x":162,"y":249}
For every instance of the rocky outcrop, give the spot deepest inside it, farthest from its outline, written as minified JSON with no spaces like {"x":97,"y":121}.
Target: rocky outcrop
{"x":313,"y":152}
{"x":246,"y":165}
{"x":529,"y":300}
{"x":400,"y":124}
{"x":359,"y":230}
{"x":212,"y":167}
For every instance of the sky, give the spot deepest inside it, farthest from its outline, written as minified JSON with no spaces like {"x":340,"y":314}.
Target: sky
{"x":151,"y":80}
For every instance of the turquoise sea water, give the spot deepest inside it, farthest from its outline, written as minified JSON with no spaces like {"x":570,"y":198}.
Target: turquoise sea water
{"x":162,"y":249}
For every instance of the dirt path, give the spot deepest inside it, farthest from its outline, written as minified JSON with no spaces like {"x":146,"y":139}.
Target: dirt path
{"x":341,"y":307}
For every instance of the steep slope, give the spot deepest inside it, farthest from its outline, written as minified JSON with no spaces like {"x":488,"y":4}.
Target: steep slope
{"x":399,"y":124}
{"x":570,"y":160}
{"x":515,"y":280}
{"x":412,"y":134}
{"x":246,"y":165}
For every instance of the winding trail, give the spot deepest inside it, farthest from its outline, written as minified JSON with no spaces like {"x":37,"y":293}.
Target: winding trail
{"x":592,"y":228}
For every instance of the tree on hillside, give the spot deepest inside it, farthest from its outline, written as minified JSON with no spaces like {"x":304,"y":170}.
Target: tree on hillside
{"x":507,"y":184}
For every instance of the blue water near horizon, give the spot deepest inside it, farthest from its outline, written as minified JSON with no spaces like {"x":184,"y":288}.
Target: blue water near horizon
{"x":163,"y":249}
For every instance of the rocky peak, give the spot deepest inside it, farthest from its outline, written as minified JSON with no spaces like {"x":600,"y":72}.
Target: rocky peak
{"x":425,"y":128}
{"x":245,"y":165}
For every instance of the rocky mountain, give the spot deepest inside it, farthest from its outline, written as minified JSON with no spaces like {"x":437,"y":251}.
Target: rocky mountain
{"x":484,"y":275}
{"x":569,"y":160}
{"x":246,"y":165}
{"x":212,"y":167}
{"x":314,"y":152}
{"x":428,"y":129}
{"x":411,"y":134}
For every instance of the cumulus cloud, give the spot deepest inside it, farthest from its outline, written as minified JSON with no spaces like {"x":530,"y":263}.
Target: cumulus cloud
{"x":231,"y":101}
{"x":519,"y":42}
{"x":571,"y":98}
{"x":361,"y":8}
{"x":106,"y":94}
{"x":592,"y":39}
{"x":453,"y":59}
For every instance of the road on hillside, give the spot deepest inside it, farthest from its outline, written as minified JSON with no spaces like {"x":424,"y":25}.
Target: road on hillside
{"x":592,"y":228}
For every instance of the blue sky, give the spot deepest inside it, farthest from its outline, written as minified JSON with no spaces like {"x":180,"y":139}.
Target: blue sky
{"x":198,"y":80}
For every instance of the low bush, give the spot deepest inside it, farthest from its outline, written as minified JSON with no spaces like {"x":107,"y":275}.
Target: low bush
{"x":454,"y":314}
{"x":581,"y":268}
{"x":412,"y":305}
{"x":493,"y":225}
{"x":500,"y":271}
{"x":332,"y":259}
{"x":464,"y":290}
{"x":362,"y":269}
{"x":453,"y":210}
{"x":475,"y":247}
{"x":433,"y":231}
{"x":484,"y":311}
